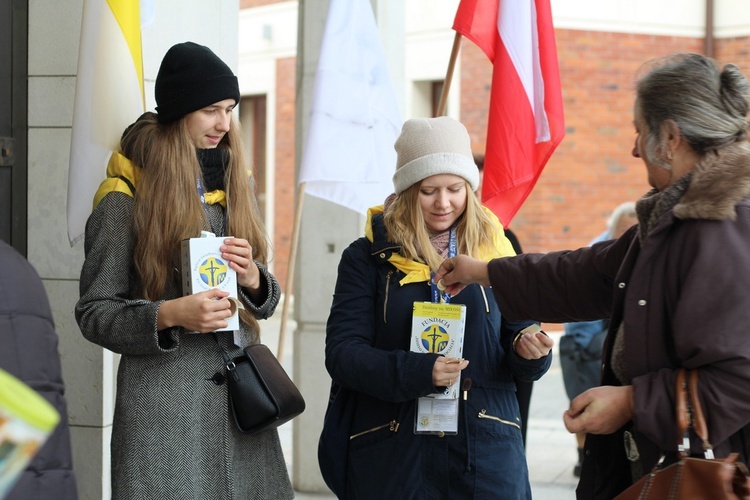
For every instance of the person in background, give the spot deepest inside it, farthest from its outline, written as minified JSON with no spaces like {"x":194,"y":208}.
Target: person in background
{"x":581,"y":345}
{"x":178,"y":172}
{"x":523,"y":387}
{"x":675,"y":287}
{"x":29,"y":353}
{"x":432,"y":214}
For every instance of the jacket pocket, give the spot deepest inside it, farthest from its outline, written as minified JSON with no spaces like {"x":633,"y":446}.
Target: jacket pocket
{"x":392,"y":426}
{"x":371,"y":465}
{"x":484,"y":415}
{"x":498,"y":457}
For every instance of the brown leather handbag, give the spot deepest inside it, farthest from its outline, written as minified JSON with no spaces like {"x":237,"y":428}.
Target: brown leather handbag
{"x":692,"y":478}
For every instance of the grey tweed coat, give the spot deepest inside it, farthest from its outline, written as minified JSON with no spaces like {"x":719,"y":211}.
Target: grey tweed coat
{"x":172,"y":436}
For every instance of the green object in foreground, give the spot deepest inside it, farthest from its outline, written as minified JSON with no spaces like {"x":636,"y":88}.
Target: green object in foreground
{"x":26,"y":420}
{"x":19,"y":401}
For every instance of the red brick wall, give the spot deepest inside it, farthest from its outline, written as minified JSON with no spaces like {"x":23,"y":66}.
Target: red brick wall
{"x":734,"y":50}
{"x":284,"y":167}
{"x":592,"y":170}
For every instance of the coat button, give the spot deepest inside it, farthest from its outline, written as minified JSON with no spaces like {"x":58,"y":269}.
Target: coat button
{"x":441,"y":434}
{"x":641,"y":302}
{"x":621,"y":285}
{"x":218,"y":379}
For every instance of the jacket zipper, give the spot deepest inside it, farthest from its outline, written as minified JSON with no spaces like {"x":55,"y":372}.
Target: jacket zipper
{"x":483,"y":414}
{"x":486,"y":304}
{"x":465,"y":386}
{"x":385,"y":302}
{"x":392,"y":426}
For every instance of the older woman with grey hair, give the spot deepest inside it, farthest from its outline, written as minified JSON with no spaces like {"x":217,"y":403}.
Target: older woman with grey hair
{"x":675,"y":286}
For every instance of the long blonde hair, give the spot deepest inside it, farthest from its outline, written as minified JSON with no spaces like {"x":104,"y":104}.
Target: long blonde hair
{"x":167,"y":208}
{"x":405,"y":226}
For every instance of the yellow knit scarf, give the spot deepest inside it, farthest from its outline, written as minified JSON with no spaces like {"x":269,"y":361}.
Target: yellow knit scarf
{"x":120,"y":168}
{"x":417,"y":271}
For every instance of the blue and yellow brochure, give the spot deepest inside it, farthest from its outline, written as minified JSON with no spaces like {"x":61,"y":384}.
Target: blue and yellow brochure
{"x":438,"y":328}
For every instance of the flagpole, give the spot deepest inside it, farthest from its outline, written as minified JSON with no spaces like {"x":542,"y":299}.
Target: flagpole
{"x":449,"y":75}
{"x":290,"y":270}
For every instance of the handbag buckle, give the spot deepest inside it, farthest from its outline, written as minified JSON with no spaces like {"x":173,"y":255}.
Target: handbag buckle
{"x":232,"y":372}
{"x":684,"y":448}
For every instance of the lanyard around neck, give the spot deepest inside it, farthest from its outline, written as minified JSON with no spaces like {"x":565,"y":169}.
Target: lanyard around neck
{"x":437,"y":296}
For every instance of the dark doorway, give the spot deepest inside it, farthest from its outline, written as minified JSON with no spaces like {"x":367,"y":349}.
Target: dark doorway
{"x":14,"y":16}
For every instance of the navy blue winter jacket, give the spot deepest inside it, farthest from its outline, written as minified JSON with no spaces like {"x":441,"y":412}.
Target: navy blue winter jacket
{"x":367,"y":351}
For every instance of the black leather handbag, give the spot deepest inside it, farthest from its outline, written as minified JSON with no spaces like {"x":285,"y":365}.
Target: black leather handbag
{"x":261,"y":394}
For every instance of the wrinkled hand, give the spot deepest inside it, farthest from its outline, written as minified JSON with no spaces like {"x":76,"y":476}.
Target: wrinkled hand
{"x":457,"y":272}
{"x":239,"y":254}
{"x":446,"y":371}
{"x":534,"y":345}
{"x":201,"y":312}
{"x":600,"y":410}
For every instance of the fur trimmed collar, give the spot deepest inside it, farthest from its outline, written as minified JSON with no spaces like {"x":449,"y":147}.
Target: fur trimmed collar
{"x":719,"y":182}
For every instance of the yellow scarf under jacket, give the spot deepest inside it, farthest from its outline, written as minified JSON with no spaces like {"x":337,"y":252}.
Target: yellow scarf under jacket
{"x":122,"y":174}
{"x":417,"y":271}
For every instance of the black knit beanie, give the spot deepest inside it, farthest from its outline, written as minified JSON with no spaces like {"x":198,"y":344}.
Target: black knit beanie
{"x":192,"y":77}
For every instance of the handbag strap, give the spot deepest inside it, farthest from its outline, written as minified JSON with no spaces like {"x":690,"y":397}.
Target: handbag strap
{"x":228,"y":363}
{"x":682,"y":413}
{"x":689,"y":412}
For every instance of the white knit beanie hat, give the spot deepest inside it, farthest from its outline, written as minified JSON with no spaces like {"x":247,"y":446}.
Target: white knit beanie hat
{"x":431,"y":146}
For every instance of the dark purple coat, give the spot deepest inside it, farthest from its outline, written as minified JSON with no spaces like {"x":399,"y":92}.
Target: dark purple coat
{"x":683,"y":297}
{"x":29,"y":353}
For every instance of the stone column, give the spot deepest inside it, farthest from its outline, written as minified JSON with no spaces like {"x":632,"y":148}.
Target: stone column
{"x":326,"y":230}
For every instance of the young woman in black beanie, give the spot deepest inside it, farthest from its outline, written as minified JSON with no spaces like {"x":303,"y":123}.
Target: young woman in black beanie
{"x":178,"y":172}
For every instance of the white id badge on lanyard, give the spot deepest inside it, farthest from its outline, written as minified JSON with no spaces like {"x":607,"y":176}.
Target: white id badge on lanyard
{"x":436,"y":416}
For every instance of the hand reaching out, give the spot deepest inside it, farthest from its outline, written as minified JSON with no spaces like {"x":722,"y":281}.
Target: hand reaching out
{"x":457,"y":272}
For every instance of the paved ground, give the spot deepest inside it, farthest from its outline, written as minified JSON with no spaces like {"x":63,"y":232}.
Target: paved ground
{"x":551,"y":450}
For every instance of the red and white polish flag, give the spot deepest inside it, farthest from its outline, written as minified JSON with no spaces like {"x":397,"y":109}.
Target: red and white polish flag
{"x":526,"y":121}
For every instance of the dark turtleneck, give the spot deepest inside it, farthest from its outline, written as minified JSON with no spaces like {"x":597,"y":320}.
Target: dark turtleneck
{"x":213,"y":162}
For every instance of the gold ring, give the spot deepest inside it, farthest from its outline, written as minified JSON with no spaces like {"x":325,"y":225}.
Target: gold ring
{"x":450,"y":382}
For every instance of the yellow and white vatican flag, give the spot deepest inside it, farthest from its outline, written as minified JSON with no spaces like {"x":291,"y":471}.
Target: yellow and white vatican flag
{"x":109,"y":97}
